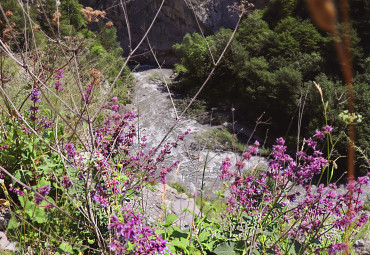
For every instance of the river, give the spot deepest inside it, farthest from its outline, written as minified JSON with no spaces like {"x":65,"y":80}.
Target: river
{"x":157,"y":115}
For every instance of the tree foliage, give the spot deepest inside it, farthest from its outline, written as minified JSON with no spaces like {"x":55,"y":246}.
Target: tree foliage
{"x":270,"y":67}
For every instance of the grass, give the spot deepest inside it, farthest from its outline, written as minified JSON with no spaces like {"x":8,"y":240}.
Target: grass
{"x":364,"y":233}
{"x":222,"y":139}
{"x":213,"y":208}
{"x":197,"y":108}
{"x":180,"y":188}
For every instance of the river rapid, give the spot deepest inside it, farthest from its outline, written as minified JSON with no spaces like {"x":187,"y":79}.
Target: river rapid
{"x":156,"y":116}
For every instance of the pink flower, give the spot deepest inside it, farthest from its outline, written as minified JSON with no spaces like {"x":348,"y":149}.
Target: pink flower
{"x":327,"y":129}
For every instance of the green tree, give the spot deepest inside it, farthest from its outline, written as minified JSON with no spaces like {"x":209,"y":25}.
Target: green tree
{"x":254,"y":34}
{"x":71,"y":14}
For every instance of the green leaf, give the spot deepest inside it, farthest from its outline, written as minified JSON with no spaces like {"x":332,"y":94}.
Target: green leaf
{"x":39,"y":215}
{"x":295,"y":246}
{"x":181,"y":243}
{"x":25,"y":203}
{"x":204,"y":236}
{"x":13,"y":224}
{"x":226,"y":248}
{"x":178,"y":234}
{"x":42,"y":182}
{"x":194,"y":251}
{"x":267,"y":233}
{"x":65,"y":247}
{"x":169,"y":220}
{"x":239,"y":246}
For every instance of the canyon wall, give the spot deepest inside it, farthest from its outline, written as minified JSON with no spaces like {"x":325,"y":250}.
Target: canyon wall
{"x":176,"y":19}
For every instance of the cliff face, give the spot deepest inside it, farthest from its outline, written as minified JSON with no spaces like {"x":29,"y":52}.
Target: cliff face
{"x":175,"y":20}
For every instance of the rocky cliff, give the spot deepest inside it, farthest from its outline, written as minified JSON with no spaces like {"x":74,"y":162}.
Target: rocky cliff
{"x":175,"y":20}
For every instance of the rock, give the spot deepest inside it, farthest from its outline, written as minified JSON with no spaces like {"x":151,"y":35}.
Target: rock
{"x":127,"y":108}
{"x":359,"y":243}
{"x":4,"y":218}
{"x":4,"y":242}
{"x":175,"y":20}
{"x":11,"y":247}
{"x":153,"y":201}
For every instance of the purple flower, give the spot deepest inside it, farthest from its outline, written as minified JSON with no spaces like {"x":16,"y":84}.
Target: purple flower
{"x":133,"y":228}
{"x":49,"y":206}
{"x":253,"y":150}
{"x":280,"y":141}
{"x":59,"y":75}
{"x":327,"y":129}
{"x":114,"y":99}
{"x":24,"y":129}
{"x":337,"y":248}
{"x":66,"y":182}
{"x":363,"y":180}
{"x":44,"y":191}
{"x":362,"y":220}
{"x":311,"y":143}
{"x":16,"y":191}
{"x":246,"y":155}
{"x":115,"y":107}
{"x":58,"y":86}
{"x":319,"y":135}
{"x":35,"y":95}
{"x":70,"y":149}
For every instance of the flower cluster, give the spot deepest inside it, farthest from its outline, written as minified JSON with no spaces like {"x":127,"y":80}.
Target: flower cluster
{"x":131,"y":229}
{"x":86,"y":95}
{"x":34,"y":109}
{"x":35,"y":98}
{"x":95,"y":81}
{"x":16,"y":191}
{"x":113,"y":156}
{"x":321,"y":134}
{"x":58,"y":84}
{"x":271,"y":196}
{"x":44,"y":191}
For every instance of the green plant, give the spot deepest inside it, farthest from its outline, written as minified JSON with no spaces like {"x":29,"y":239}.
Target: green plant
{"x":180,"y":188}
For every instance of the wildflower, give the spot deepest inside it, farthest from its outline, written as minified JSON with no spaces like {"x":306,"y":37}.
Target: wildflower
{"x":319,"y":134}
{"x":66,"y":182}
{"x":24,"y":129}
{"x":225,"y":173}
{"x":35,"y":99}
{"x":247,"y":155}
{"x":239,"y":165}
{"x":70,"y":149}
{"x":311,"y":143}
{"x":115,"y":107}
{"x":253,"y":150}
{"x":109,"y":24}
{"x":44,"y":191}
{"x":49,"y":206}
{"x":134,"y":229}
{"x":16,"y":191}
{"x":363,"y":180}
{"x":9,"y":14}
{"x":337,"y":248}
{"x":327,"y":129}
{"x":362,"y":220}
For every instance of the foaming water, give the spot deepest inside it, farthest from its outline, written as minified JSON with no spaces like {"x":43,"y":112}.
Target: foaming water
{"x":157,"y":115}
